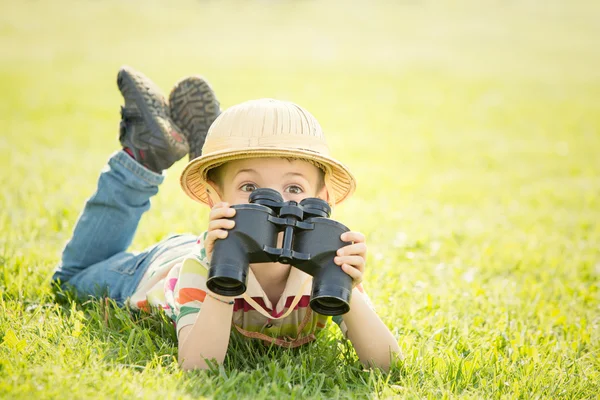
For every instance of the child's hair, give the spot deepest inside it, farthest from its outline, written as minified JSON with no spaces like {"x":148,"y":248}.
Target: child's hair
{"x":215,"y":174}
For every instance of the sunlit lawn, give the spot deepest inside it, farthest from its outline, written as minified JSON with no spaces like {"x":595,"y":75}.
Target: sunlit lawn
{"x":473,"y":130}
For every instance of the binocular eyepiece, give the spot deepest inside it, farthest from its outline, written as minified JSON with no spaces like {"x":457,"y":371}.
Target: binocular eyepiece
{"x":310,"y":243}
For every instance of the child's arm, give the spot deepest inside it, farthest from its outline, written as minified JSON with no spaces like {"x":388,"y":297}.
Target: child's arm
{"x":372,"y":340}
{"x":208,"y":338}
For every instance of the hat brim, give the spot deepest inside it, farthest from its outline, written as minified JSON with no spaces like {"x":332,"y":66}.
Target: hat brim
{"x":339,"y":180}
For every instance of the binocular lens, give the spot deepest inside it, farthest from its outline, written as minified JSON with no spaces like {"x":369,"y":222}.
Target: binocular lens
{"x":226,"y":286}
{"x":329,"y":306}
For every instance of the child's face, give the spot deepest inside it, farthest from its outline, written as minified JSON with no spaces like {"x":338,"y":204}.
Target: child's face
{"x":295,"y":179}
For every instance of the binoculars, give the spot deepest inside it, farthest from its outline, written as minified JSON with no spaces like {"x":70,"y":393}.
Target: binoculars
{"x":310,"y":242}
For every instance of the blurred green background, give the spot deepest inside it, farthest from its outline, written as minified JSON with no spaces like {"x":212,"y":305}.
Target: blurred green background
{"x":473,"y":128}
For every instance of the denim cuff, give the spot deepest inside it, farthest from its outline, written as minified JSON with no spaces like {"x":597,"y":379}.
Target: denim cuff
{"x":121,"y":160}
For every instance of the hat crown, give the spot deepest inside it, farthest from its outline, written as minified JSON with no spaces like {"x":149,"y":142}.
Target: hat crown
{"x":265,"y":123}
{"x":265,"y":128}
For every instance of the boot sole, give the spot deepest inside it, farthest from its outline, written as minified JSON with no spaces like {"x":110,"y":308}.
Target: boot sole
{"x":194,"y":107}
{"x":152,"y":107}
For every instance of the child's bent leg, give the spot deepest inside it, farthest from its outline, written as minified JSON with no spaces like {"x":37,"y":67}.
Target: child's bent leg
{"x":95,"y":257}
{"x":110,"y":217}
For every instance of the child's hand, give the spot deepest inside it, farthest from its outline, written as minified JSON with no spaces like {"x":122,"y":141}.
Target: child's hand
{"x":352,"y":257}
{"x":217,"y":225}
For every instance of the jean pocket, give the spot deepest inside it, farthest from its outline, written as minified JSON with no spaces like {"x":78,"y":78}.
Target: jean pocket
{"x":126,"y":263}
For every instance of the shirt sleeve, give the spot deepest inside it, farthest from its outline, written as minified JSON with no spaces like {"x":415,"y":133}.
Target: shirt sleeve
{"x":339,"y":319}
{"x":185,"y":287}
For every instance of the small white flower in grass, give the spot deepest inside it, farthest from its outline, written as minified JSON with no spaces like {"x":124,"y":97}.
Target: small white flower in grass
{"x":378,"y":256}
{"x":469,"y":276}
{"x":400,"y":239}
{"x":410,"y":255}
{"x":420,"y":285}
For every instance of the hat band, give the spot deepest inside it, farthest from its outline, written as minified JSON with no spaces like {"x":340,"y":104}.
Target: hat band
{"x":294,"y":142}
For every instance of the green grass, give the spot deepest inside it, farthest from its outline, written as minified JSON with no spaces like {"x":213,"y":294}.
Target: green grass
{"x":473,"y":129}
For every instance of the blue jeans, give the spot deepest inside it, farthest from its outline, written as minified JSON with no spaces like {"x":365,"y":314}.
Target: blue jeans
{"x":95,"y":261}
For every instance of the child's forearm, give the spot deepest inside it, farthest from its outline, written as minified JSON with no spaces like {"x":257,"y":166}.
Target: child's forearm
{"x":372,"y":340}
{"x":208,"y":338}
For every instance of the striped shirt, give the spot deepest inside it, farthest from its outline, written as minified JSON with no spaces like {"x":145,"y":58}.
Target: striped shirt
{"x":176,"y":283}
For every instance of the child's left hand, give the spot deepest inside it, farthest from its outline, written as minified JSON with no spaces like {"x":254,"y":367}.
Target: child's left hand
{"x":352,"y":257}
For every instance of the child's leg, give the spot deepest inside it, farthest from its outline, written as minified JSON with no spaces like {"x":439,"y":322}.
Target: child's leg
{"x":95,"y":258}
{"x":110,"y":217}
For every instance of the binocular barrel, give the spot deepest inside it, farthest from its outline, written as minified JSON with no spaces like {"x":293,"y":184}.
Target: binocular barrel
{"x":310,"y":243}
{"x":231,"y":257}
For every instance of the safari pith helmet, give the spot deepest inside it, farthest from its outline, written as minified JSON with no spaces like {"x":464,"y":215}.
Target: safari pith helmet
{"x":266,"y":128}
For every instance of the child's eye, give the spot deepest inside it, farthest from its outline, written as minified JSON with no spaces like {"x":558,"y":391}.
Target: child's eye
{"x":294,"y":189}
{"x":248,"y":187}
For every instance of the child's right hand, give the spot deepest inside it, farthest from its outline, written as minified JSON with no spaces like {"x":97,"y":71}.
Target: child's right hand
{"x":218,"y":225}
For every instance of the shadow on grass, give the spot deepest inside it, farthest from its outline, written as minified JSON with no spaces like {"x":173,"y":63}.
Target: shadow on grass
{"x":328,"y":367}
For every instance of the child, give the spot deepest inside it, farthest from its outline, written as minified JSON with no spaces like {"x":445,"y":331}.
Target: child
{"x":261,"y":143}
